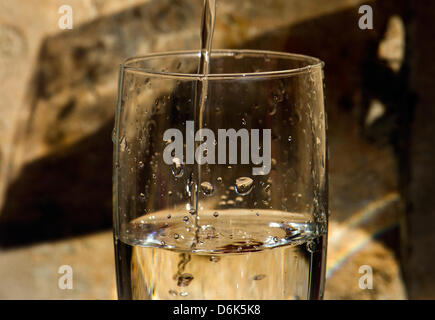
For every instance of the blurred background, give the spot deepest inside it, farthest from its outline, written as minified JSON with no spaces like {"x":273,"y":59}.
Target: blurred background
{"x":58,"y":96}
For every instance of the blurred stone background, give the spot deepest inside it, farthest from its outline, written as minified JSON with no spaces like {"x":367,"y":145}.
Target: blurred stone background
{"x":58,"y":93}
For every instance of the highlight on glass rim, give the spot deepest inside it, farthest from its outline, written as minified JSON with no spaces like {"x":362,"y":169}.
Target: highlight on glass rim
{"x":206,"y":152}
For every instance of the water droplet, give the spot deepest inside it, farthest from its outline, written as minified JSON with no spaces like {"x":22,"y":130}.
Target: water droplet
{"x":207,"y":188}
{"x":259,"y":277}
{"x":186,"y":218}
{"x":257,"y":214}
{"x":243,"y":122}
{"x":208,"y":232}
{"x":267,"y":187}
{"x":275,"y":239}
{"x":216,"y":214}
{"x":273,"y":161}
{"x":239,"y":199}
{"x":169,"y":216}
{"x":219,"y":179}
{"x":192,"y":212}
{"x":177,"y":168}
{"x":290,"y":139}
{"x":244,"y":186}
{"x":183,"y":294}
{"x":142,"y":197}
{"x":140,"y":165}
{"x":169,"y":193}
{"x":176,"y":236}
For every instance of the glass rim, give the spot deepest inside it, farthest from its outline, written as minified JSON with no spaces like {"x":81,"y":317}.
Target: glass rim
{"x":312,"y":63}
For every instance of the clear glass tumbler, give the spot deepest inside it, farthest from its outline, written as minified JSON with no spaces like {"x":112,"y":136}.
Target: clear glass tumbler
{"x":220,"y":180}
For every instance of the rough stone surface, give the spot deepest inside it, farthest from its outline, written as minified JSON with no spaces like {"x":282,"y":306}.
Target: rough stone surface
{"x":24,"y":26}
{"x":50,"y":77}
{"x":33,"y":273}
{"x":420,"y":235}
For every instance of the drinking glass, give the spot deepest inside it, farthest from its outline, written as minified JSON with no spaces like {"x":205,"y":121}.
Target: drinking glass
{"x":220,"y":180}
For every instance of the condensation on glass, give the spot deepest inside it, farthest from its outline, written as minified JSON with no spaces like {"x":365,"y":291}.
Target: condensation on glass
{"x":185,"y":230}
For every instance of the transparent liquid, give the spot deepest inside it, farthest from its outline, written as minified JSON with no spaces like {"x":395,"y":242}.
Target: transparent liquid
{"x":236,"y":254}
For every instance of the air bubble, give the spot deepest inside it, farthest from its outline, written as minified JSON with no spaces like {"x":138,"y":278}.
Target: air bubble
{"x":177,"y":168}
{"x":214,"y":259}
{"x":184,"y":279}
{"x":244,"y":186}
{"x":173,"y":293}
{"x":207,"y":188}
